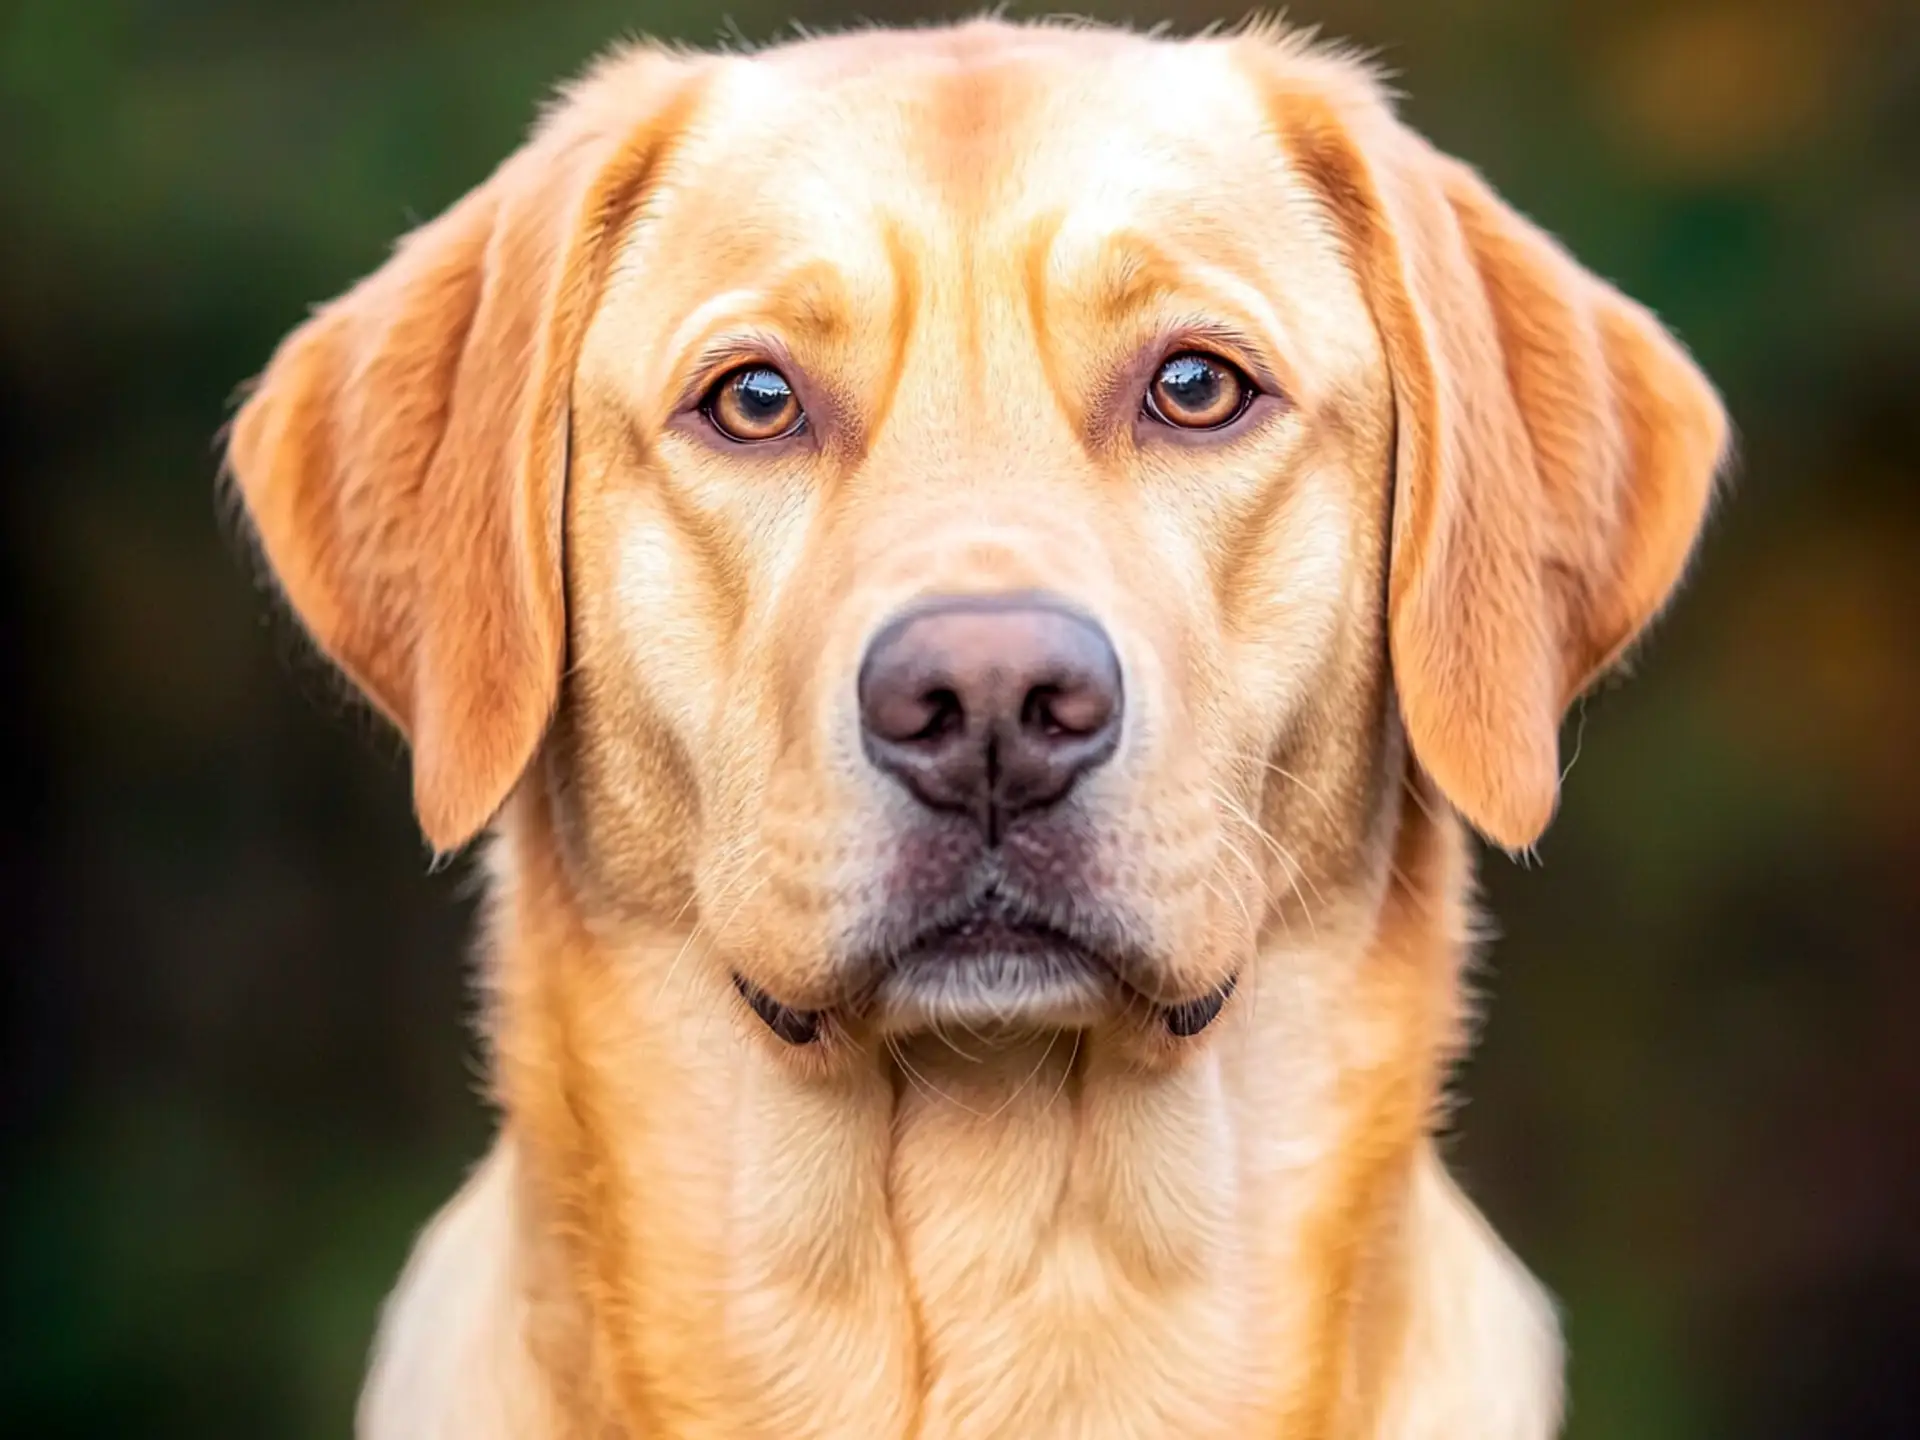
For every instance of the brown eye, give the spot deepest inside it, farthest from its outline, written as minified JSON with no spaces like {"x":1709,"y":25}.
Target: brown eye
{"x":753,"y":403}
{"x":1193,"y":391}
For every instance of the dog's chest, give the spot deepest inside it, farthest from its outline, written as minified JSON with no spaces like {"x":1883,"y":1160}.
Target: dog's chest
{"x":1067,"y":1262}
{"x":1067,"y":1284}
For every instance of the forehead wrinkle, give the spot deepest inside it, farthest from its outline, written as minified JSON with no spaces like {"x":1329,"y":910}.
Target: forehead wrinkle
{"x":903,"y":268}
{"x":967,"y":132}
{"x":1035,"y":274}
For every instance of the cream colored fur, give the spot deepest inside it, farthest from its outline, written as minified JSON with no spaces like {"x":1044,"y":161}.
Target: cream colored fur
{"x":1481,"y":1354}
{"x":625,"y":643}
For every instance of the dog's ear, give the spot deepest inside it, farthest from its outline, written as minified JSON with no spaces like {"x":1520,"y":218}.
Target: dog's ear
{"x":403,"y":458}
{"x":1556,"y":450}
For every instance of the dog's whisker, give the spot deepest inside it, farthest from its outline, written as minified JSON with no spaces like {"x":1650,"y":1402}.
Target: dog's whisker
{"x":892,"y":1045}
{"x":1253,"y":993}
{"x":926,"y":1086}
{"x":1253,"y":877}
{"x":1021,"y":1089}
{"x":1289,"y":867}
{"x":1268,"y":763}
{"x":1411,"y":788}
{"x":1066,"y":1072}
{"x":1239,"y":812}
{"x":673,"y":966}
{"x":701,"y":927}
{"x":942,"y":1034}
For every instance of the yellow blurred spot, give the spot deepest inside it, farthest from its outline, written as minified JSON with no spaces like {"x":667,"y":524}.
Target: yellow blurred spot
{"x":1711,"y":89}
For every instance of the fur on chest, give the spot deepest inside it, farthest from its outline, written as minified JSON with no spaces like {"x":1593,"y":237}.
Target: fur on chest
{"x":1062,"y":1252}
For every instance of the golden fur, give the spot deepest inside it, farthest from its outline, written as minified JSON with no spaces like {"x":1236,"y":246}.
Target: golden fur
{"x":627,"y":649}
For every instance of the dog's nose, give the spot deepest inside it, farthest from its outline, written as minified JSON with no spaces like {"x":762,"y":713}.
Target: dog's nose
{"x":990,"y":705}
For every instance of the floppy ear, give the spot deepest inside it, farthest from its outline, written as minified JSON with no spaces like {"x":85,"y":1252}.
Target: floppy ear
{"x":403,"y":458}
{"x":1555,"y":453}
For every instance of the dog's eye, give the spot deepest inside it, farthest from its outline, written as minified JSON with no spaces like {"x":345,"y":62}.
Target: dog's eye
{"x":752,"y":404}
{"x":1194,"y":391}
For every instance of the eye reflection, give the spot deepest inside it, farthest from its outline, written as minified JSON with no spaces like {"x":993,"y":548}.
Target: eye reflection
{"x":1197,"y":391}
{"x":752,"y":404}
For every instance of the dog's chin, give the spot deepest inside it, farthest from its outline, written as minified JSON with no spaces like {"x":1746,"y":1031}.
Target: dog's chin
{"x":988,"y":975}
{"x":994,"y":971}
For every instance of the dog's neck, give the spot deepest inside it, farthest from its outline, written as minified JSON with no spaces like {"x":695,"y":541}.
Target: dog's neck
{"x":1032,"y":1239}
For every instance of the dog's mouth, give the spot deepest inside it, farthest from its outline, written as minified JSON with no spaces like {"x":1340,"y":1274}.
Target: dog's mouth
{"x":796,"y":1027}
{"x":997,"y":965}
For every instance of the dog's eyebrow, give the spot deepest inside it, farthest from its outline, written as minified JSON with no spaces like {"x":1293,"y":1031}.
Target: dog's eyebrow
{"x":1132,"y":273}
{"x":810,"y":301}
{"x":1136,"y":280}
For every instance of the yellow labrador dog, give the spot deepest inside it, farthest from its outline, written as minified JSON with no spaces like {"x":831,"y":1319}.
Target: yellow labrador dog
{"x":979,"y":580}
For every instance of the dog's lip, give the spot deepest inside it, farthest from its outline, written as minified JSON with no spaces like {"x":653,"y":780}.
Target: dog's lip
{"x":1023,"y":944}
{"x":1186,"y":1020}
{"x":998,"y":925}
{"x":802,"y":1027}
{"x":1017,"y":947}
{"x":796,"y":1027}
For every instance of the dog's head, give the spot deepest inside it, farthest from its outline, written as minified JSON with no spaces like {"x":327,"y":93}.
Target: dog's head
{"x":971,"y":519}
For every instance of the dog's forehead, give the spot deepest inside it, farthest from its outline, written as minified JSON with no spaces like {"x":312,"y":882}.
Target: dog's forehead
{"x":971,"y":137}
{"x":995,"y":187}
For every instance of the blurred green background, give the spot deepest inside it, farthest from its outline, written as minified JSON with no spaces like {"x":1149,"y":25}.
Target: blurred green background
{"x":236,"y":1069}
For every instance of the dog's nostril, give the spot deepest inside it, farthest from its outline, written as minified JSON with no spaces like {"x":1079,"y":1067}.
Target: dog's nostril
{"x":1038,"y":711}
{"x":902,"y":714}
{"x":1067,"y":709}
{"x":990,"y":705}
{"x":945,"y":715}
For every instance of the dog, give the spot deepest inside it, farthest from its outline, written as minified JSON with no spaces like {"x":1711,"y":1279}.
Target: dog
{"x":980,"y":582}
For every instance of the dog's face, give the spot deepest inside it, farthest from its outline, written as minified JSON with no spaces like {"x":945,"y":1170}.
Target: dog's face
{"x":985,"y":510}
{"x":976,"y":475}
